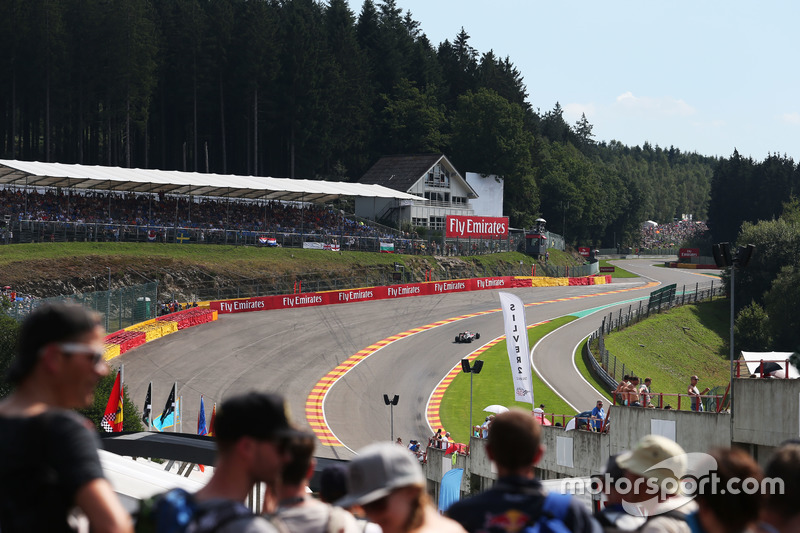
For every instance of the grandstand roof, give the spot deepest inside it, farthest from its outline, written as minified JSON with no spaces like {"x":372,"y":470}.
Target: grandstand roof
{"x":37,"y":174}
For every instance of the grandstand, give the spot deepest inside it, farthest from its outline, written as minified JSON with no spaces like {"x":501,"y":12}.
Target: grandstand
{"x":52,"y":202}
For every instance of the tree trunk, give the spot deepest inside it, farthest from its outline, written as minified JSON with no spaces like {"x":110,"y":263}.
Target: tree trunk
{"x":222,"y":126}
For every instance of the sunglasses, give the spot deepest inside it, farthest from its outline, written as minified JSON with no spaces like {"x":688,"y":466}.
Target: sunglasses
{"x":73,"y":348}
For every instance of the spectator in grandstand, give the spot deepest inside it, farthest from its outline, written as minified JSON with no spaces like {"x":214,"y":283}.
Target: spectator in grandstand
{"x":48,"y":454}
{"x":296,"y":510}
{"x":731,"y":508}
{"x":779,"y":511}
{"x":388,"y":483}
{"x":518,"y":499}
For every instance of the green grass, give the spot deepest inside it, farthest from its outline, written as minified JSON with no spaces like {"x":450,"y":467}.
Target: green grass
{"x":494,"y":386}
{"x":618,"y":272}
{"x":584,"y":370}
{"x":671,"y":346}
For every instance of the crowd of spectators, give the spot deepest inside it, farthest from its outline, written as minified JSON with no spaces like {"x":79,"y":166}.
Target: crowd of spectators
{"x":131,"y":209}
{"x":671,"y":234}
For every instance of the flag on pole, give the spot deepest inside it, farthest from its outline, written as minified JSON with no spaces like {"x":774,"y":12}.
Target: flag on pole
{"x":213,"y":418}
{"x":112,"y":419}
{"x":517,"y":344}
{"x":201,"y":419}
{"x":148,"y":405}
{"x":167,"y":417}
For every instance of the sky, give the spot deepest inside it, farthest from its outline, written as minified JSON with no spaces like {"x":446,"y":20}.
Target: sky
{"x":703,"y":76}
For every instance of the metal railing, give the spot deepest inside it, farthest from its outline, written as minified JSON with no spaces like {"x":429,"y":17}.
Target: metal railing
{"x":119,"y":308}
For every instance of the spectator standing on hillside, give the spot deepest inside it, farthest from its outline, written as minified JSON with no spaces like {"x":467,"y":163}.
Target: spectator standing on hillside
{"x":518,"y":499}
{"x":644,"y":393}
{"x":48,"y":454}
{"x":694,"y":393}
{"x":388,"y":483}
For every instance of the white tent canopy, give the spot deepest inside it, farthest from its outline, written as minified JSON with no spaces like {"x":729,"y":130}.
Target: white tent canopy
{"x":37,"y":174}
{"x":753,"y":361}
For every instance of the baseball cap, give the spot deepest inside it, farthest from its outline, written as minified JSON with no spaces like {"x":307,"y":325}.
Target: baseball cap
{"x":260,"y":415}
{"x":655,"y":451}
{"x":333,"y":482}
{"x":378,"y":470}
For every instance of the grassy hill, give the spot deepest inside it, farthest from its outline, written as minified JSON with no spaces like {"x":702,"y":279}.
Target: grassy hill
{"x":670,"y":347}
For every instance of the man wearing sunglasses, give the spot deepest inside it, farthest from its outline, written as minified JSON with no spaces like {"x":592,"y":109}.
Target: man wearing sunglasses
{"x":48,"y":454}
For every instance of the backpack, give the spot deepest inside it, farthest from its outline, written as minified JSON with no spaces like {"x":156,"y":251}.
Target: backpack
{"x":176,"y":511}
{"x":551,"y":518}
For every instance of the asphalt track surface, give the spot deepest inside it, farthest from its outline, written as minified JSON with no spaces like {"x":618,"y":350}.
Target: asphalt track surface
{"x":289,"y":351}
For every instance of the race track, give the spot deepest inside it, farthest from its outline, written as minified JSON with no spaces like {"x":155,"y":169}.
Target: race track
{"x":289,"y":351}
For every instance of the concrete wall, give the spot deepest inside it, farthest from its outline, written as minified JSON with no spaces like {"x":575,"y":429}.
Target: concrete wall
{"x":766,"y":411}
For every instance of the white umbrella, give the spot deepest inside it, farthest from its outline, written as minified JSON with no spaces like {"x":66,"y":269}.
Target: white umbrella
{"x":496,"y":409}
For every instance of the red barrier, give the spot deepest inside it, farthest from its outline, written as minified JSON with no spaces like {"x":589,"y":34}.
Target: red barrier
{"x":189,"y":317}
{"x":127,"y":340}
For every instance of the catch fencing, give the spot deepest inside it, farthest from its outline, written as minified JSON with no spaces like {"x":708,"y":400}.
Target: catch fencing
{"x":604,"y":365}
{"x":119,"y":308}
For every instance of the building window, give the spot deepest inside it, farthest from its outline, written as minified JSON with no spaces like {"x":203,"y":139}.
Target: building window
{"x":438,"y":176}
{"x":437,"y":222}
{"x":423,"y":222}
{"x":459,"y":200}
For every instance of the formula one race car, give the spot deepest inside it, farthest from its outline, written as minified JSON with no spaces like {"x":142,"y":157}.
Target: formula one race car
{"x":467,"y":336}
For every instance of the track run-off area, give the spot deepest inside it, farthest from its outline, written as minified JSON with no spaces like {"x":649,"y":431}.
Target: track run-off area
{"x":334,"y":363}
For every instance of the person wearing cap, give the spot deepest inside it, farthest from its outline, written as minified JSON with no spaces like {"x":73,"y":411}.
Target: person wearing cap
{"x":694,"y":393}
{"x":296,"y":511}
{"x":251,"y":431}
{"x":517,"y":500}
{"x":613,"y":517}
{"x":388,"y":483}
{"x":48,"y":454}
{"x":333,"y":487}
{"x":656,"y":492}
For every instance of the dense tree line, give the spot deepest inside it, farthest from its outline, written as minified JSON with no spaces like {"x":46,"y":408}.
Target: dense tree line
{"x":310,"y":89}
{"x":756,"y":202}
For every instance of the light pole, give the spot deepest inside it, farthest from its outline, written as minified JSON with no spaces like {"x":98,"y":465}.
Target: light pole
{"x":475,"y":369}
{"x":723,"y":258}
{"x":391,"y":403}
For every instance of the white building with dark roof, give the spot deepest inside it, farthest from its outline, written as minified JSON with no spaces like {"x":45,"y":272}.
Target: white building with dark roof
{"x":430,"y":176}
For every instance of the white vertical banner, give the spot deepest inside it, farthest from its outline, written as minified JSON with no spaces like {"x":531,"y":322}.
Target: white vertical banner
{"x":517,"y":344}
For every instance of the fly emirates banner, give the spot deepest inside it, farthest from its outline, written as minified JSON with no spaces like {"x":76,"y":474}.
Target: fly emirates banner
{"x":289,"y":301}
{"x":463,"y":227}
